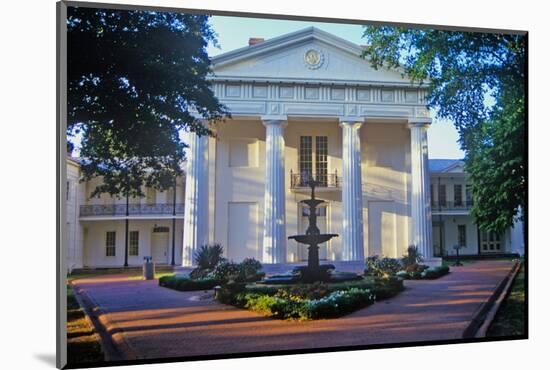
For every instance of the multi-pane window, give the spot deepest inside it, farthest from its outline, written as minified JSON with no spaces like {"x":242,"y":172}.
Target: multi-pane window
{"x":314,"y":158}
{"x":462,"y":235}
{"x":306,"y":157}
{"x":133,"y":248}
{"x":432,"y":199}
{"x":490,"y":241}
{"x":458,"y":195}
{"x":321,"y":159}
{"x":110,"y":241}
{"x":442,"y":195}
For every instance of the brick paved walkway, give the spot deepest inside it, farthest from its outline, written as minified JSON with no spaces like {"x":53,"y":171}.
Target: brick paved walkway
{"x":147,"y":321}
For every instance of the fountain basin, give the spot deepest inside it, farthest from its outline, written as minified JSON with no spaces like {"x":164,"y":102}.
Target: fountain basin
{"x":311,"y":239}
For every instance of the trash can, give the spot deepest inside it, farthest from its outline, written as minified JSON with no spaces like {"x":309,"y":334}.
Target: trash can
{"x":148,"y":268}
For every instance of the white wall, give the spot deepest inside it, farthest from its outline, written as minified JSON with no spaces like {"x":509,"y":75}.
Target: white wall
{"x":75,"y":197}
{"x":95,"y":234}
{"x":385,"y":176}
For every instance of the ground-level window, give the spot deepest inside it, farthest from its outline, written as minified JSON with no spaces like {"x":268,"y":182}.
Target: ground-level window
{"x":110,"y":240}
{"x":133,"y":249}
{"x":462,"y":235}
{"x":490,"y":241}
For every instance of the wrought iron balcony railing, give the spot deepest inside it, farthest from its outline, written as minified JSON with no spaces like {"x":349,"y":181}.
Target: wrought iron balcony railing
{"x":164,"y":209}
{"x":452,"y":206}
{"x":324,"y":180}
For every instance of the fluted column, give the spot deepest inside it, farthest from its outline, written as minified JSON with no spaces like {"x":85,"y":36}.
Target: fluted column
{"x":421,"y":212}
{"x":274,"y":239}
{"x":195,"y":222}
{"x":352,"y":194}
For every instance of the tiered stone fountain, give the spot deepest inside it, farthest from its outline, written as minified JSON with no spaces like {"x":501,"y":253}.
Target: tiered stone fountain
{"x":314,"y":271}
{"x":313,"y":237}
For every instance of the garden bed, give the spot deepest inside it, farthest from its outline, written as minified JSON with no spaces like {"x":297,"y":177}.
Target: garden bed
{"x":424,"y":272}
{"x":212,"y":270}
{"x":309,"y":301}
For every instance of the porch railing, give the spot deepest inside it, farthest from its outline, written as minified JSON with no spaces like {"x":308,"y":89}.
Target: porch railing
{"x":452,"y":206}
{"x":161,"y":209}
{"x":325,"y":180}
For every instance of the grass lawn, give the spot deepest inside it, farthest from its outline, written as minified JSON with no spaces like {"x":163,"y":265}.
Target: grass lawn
{"x":83,"y":344}
{"x":510,"y":317}
{"x":133,"y":274}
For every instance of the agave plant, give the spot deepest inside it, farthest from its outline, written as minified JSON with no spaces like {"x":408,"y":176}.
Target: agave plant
{"x":207,"y":257}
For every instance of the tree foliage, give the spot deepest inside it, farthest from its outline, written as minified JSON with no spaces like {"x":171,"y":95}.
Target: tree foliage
{"x":136,"y":79}
{"x":475,"y":80}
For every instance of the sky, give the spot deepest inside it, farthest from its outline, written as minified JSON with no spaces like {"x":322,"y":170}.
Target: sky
{"x":234,"y":32}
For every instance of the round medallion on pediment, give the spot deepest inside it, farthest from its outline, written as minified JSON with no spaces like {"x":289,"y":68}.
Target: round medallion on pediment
{"x":314,"y":58}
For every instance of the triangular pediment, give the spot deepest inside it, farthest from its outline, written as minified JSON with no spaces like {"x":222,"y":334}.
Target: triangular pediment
{"x":455,"y":168}
{"x":306,"y":55}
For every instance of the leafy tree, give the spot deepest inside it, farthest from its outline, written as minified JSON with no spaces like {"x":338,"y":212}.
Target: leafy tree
{"x":476,"y":80}
{"x":136,"y":79}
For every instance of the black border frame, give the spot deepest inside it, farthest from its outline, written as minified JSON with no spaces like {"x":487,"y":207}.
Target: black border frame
{"x":61,"y":361}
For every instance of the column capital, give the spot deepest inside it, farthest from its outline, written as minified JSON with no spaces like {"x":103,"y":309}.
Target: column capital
{"x":274,"y":120}
{"x":419,"y":122}
{"x":349,"y":121}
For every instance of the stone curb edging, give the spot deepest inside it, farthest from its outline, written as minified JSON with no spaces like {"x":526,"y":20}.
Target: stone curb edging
{"x":115,"y":349}
{"x":484,"y":315}
{"x":482,"y":332}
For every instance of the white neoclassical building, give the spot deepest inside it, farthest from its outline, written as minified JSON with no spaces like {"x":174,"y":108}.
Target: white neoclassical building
{"x":302,"y":104}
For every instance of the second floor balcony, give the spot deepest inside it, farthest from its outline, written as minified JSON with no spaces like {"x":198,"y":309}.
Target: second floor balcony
{"x":325,"y":181}
{"x":442,"y":206}
{"x":119,"y":210}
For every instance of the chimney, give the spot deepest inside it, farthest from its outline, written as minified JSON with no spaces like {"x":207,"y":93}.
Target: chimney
{"x":255,"y":40}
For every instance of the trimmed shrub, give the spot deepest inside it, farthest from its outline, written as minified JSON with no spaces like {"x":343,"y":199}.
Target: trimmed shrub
{"x":226,"y":270}
{"x":382,"y":267}
{"x":435,"y":272}
{"x":335,"y":304}
{"x":185,"y":283}
{"x":231,"y":293}
{"x":382,"y":288}
{"x":246,"y":271}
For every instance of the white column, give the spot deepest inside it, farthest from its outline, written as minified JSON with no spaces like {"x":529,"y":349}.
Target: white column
{"x":421,"y":211}
{"x":274,"y":240}
{"x":352,"y":194}
{"x":195,"y":222}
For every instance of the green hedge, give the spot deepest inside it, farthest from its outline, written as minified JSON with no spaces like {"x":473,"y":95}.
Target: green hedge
{"x":381,"y":288}
{"x":185,"y":283}
{"x":433,"y":272}
{"x":335,"y":304}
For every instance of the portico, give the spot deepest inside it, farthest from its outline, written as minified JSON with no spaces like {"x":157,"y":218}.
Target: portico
{"x":305,"y":104}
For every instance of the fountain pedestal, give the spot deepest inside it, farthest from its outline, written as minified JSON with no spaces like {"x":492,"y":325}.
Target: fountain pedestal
{"x":313,"y":271}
